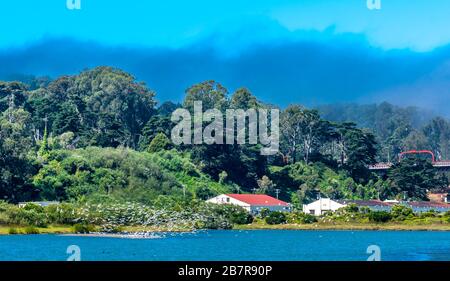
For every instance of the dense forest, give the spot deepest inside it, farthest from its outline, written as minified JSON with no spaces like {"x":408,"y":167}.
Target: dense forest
{"x":100,"y":135}
{"x":396,"y":129}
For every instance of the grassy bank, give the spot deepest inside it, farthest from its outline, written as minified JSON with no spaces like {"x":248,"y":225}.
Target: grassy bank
{"x":68,"y":229}
{"x":348,"y":226}
{"x":65,"y":229}
{"x":53,"y":229}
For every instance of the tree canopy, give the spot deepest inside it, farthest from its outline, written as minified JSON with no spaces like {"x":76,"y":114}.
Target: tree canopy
{"x":101,"y":134}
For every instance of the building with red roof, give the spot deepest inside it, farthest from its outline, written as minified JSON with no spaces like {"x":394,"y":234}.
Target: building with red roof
{"x":253,"y":203}
{"x":439,"y":197}
{"x":323,"y":205}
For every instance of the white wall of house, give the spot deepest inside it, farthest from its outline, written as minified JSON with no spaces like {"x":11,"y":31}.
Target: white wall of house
{"x":256,"y":209}
{"x":320,"y":206}
{"x":225,"y":199}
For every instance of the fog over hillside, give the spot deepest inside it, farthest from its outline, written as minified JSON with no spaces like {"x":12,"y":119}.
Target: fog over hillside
{"x":344,"y":68}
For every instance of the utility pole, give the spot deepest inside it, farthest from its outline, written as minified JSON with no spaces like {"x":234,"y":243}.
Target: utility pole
{"x":277,"y":191}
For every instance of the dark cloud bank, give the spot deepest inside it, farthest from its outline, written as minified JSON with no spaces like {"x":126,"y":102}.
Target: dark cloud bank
{"x":344,"y":69}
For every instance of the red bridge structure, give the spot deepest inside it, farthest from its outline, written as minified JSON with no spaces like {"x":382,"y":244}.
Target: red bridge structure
{"x":444,"y":165}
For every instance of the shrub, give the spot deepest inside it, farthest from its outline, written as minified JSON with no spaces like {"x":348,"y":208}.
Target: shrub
{"x":379,"y":216}
{"x":159,"y":142}
{"x":3,"y":218}
{"x":241,"y":217}
{"x":308,"y":218}
{"x":33,"y":207}
{"x":83,"y":228}
{"x":352,"y":208}
{"x":429,"y":214}
{"x":231,"y":214}
{"x":204,"y":193}
{"x":343,"y":215}
{"x":13,"y":230}
{"x":215,"y":223}
{"x":400,"y":212}
{"x":301,"y":218}
{"x":31,"y":230}
{"x":110,"y":228}
{"x":276,"y":218}
{"x":32,"y":215}
{"x":264,"y":213}
{"x":64,"y":213}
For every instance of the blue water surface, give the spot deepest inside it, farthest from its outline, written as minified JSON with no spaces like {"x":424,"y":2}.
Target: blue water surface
{"x":235,"y":245}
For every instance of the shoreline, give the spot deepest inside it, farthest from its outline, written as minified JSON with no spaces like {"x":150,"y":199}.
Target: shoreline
{"x":68,"y":230}
{"x":152,"y":232}
{"x":149,"y":235}
{"x":347,"y":226}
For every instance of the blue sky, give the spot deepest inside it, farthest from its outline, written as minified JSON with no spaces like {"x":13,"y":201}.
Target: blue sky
{"x":418,"y":24}
{"x":285,"y":51}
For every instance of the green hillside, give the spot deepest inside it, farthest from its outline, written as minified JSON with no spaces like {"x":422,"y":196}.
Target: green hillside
{"x":101,"y":136}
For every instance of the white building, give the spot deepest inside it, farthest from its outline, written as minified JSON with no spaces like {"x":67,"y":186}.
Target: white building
{"x":320,"y":206}
{"x":253,"y":203}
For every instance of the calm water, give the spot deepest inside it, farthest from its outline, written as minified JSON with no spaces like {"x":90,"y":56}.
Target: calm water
{"x":235,"y":245}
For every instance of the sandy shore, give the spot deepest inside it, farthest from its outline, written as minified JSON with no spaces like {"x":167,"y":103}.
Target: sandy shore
{"x":149,"y":235}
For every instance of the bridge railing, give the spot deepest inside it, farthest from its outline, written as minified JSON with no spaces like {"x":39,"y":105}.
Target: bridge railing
{"x":441,"y":164}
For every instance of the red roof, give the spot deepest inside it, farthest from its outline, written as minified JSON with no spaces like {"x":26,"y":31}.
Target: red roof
{"x":258,"y":199}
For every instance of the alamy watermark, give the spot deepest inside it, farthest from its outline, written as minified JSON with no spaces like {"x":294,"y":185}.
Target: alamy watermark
{"x":374,"y":4}
{"x":375,"y":253}
{"x":190,"y":130}
{"x":74,"y":253}
{"x":73,"y":4}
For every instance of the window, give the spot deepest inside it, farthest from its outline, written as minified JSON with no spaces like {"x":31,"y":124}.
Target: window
{"x":312,"y":212}
{"x":228,"y":200}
